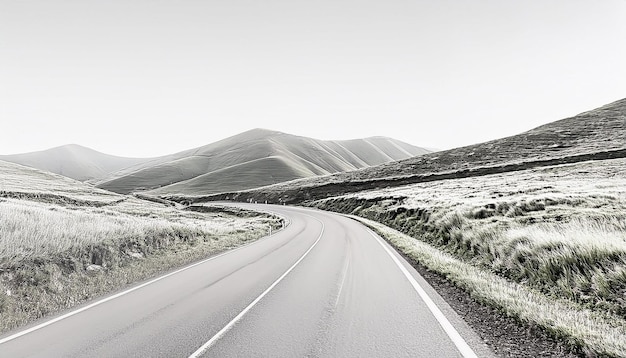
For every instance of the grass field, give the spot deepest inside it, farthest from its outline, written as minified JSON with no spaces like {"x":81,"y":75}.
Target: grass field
{"x":558,"y":232}
{"x":63,"y":242}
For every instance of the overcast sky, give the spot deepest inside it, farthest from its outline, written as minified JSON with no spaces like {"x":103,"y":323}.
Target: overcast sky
{"x":151,"y":77}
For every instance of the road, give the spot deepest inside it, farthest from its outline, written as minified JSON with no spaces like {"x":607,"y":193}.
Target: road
{"x":325,"y":286}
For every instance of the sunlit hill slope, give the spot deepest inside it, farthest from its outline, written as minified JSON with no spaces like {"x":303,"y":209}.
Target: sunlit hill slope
{"x":252,"y":159}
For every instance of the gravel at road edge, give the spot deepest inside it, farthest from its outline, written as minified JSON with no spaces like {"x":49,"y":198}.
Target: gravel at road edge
{"x":505,"y":335}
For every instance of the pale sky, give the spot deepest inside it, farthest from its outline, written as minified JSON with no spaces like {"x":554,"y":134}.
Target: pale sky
{"x":151,"y":77}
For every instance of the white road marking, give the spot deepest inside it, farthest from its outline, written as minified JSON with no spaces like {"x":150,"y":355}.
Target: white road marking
{"x":454,"y":335}
{"x":230,"y":324}
{"x":344,"y":273}
{"x":72,"y":313}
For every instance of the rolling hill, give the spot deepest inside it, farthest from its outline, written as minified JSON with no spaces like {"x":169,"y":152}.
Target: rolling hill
{"x":73,"y":161}
{"x":591,"y":135}
{"x":22,"y":182}
{"x":251,"y":159}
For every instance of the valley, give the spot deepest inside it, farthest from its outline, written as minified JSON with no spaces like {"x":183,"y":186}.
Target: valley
{"x":529,"y":228}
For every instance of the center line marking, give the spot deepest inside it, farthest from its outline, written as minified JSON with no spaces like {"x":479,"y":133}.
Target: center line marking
{"x":230,"y":324}
{"x":344,"y":273}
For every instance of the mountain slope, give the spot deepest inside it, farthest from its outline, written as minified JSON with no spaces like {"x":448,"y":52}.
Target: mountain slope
{"x":73,"y":161}
{"x":592,"y":135}
{"x":254,"y":158}
{"x":252,"y":174}
{"x":599,"y":130}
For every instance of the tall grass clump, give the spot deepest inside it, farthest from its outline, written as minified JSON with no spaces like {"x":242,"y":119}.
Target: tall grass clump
{"x":579,"y":258}
{"x":583,"y":259}
{"x":31,"y":231}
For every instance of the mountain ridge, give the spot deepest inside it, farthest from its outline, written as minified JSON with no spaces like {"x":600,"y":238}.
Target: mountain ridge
{"x":254,"y":158}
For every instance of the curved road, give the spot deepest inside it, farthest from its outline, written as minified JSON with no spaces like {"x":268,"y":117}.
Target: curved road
{"x":325,"y":286}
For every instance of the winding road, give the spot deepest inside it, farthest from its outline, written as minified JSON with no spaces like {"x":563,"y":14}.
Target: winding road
{"x":325,"y":286}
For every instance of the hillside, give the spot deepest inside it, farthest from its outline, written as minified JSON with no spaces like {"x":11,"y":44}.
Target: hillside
{"x":73,"y":161}
{"x":592,"y":135}
{"x":22,"y":182}
{"x":254,"y":158}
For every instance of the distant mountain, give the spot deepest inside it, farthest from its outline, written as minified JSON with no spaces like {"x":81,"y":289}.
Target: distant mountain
{"x":22,"y":182}
{"x":254,"y":158}
{"x":594,"y":135}
{"x":73,"y":161}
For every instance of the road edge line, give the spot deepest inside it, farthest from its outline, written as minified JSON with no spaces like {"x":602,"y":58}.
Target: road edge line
{"x":454,"y":335}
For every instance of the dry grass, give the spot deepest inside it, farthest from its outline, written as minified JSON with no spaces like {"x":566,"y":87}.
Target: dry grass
{"x":30,"y":230}
{"x":583,"y":260}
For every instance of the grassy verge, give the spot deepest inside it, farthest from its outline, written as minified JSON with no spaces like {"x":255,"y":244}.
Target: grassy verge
{"x":59,"y":250}
{"x":594,"y":331}
{"x":557,"y":235}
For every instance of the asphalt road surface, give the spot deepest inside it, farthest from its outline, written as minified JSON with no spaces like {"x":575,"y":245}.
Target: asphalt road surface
{"x":325,"y":286}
